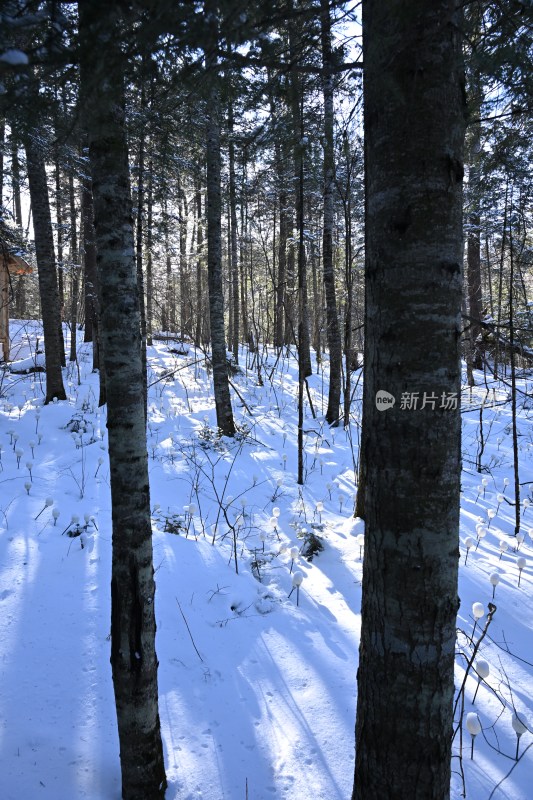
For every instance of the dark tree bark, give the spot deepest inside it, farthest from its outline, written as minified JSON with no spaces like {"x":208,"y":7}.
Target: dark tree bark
{"x":46,"y":264}
{"x":89,"y":260}
{"x":414,"y":132}
{"x":139,"y":242}
{"x":15,"y":181}
{"x":214,"y":238}
{"x":199,"y":255}
{"x":60,"y":254}
{"x":185,"y":289}
{"x":168,"y":316}
{"x":133,"y":656}
{"x":298,"y":151}
{"x":75,"y":269}
{"x":20,"y":289}
{"x":332,"y":328}
{"x":234,"y":263}
{"x":149,"y":258}
{"x":475,"y":357}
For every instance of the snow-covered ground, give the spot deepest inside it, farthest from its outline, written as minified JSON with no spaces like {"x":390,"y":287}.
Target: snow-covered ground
{"x":257,"y":689}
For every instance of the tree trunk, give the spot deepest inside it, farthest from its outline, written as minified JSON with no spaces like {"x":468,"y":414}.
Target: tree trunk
{"x":474,"y":235}
{"x":89,"y":261}
{"x":185,"y":289}
{"x":149,"y":259}
{"x":414,"y":131}
{"x":75,"y":268}
{"x":133,"y":656}
{"x":299,"y":145}
{"x":332,"y":329}
{"x":15,"y":182}
{"x":234,"y":264}
{"x":214,"y":244}
{"x":46,"y":265}
{"x":199,"y":255}
{"x":20,"y":292}
{"x":60,"y":253}
{"x":348,"y":321}
{"x":139,"y":245}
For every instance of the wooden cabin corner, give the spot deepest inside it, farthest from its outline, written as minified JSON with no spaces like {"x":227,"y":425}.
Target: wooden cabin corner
{"x":10,"y":266}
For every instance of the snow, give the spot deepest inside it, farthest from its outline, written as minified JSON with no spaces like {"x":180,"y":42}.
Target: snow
{"x":257,"y":689}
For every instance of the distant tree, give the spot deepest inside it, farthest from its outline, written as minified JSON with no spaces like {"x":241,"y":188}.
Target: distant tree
{"x":414,"y":131}
{"x":333,"y":330}
{"x":46,"y":265}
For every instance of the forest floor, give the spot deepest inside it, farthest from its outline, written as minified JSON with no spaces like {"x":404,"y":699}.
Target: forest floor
{"x":257,"y":686}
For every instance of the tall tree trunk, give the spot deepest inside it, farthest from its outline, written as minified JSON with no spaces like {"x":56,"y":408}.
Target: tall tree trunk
{"x":499,"y":303}
{"x":89,"y":259}
{"x":234,"y":263}
{"x":214,"y":237}
{"x":139,"y":243}
{"x":92,"y":290}
{"x":474,"y":233}
{"x":133,"y":656}
{"x":299,"y":145}
{"x":414,"y":132}
{"x":149,"y":258}
{"x":512,"y":358}
{"x":20,"y":292}
{"x":75,"y":269}
{"x":59,"y":236}
{"x":348,"y":320}
{"x":332,"y":328}
{"x":168,"y":315}
{"x":46,"y":265}
{"x":246,"y":337}
{"x":316,"y":341}
{"x":199,"y":254}
{"x":185,"y":290}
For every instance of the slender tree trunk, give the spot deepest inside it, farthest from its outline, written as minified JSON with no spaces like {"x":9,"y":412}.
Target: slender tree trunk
{"x":512,"y":357}
{"x":60,"y":256}
{"x":214,"y":239}
{"x":149,"y":258}
{"x":168,"y":316}
{"x":282,"y":261}
{"x":242,"y":250}
{"x":316,"y":342}
{"x":20,"y":293}
{"x":92,"y":301}
{"x":185,"y":289}
{"x":133,"y":656}
{"x":332,"y":328}
{"x":474,"y":239}
{"x":89,"y":259}
{"x":414,"y":131}
{"x":139,"y":245}
{"x":234,"y":263}
{"x":299,"y":148}
{"x":503,"y":245}
{"x":59,"y":235}
{"x":348,"y":321}
{"x":46,"y":264}
{"x":199,"y":255}
{"x":75,"y":268}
